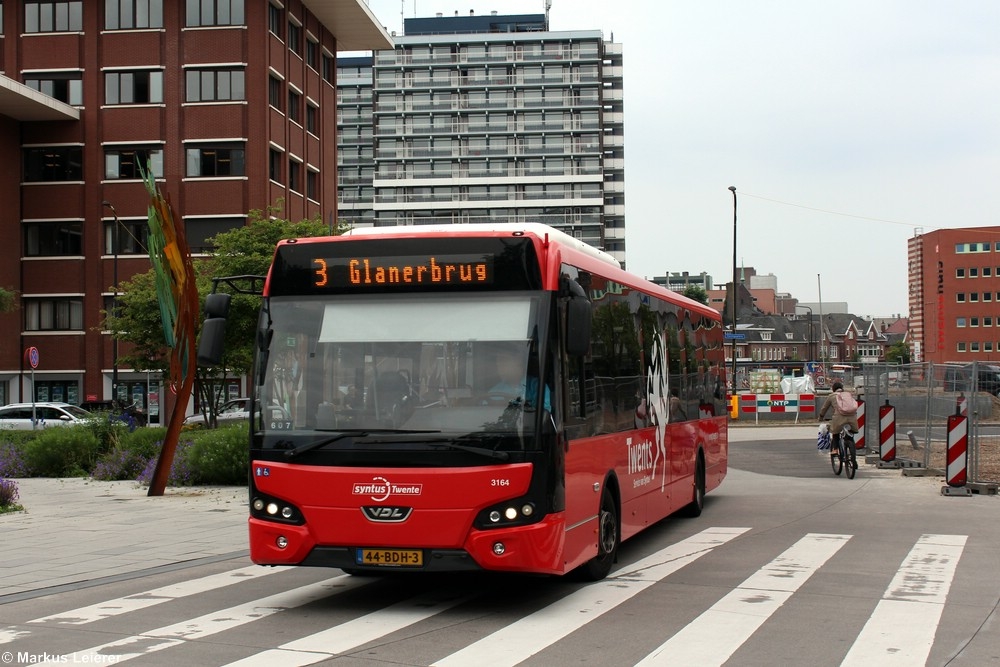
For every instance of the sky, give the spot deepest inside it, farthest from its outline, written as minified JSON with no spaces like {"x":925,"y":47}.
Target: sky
{"x":846,"y":128}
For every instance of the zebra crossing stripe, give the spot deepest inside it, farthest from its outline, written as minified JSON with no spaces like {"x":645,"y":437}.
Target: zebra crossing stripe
{"x":526,"y":637}
{"x":210,"y":624}
{"x":715,"y":635}
{"x":901,"y":629}
{"x":346,"y":636}
{"x":130,"y":603}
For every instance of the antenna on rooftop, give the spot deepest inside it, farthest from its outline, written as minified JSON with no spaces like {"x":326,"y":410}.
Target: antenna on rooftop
{"x":548,"y":6}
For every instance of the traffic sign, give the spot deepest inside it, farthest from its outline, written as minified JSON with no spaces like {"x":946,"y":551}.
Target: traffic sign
{"x":31,"y":356}
{"x":729,"y":335}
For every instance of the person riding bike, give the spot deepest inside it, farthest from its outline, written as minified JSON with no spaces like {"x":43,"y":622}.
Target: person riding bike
{"x":839,"y":417}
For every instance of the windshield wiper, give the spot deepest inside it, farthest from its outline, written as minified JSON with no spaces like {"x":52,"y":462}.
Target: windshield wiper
{"x":340,"y":435}
{"x":482,"y":451}
{"x":322,"y":442}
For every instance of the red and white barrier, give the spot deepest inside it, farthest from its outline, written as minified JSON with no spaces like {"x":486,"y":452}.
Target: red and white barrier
{"x":859,"y":439}
{"x":956,"y":473}
{"x":758,"y":403}
{"x":887,"y":433}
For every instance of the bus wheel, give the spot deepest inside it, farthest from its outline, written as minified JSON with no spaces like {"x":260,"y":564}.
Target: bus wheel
{"x":697,"y":504}
{"x":607,"y":541}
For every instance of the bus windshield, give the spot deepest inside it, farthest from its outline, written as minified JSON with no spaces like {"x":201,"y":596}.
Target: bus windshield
{"x":450,"y":364}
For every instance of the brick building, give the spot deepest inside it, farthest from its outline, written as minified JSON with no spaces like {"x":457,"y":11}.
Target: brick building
{"x":954,"y":279}
{"x":232,"y":103}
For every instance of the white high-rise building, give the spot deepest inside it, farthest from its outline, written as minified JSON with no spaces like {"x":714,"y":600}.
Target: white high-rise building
{"x":486,"y":119}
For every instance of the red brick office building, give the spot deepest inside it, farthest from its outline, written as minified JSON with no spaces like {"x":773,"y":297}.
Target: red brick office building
{"x":954,"y":282}
{"x":232,"y":102}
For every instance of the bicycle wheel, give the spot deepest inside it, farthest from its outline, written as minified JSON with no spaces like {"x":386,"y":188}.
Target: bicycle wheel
{"x":837,"y":457}
{"x":851,"y":461}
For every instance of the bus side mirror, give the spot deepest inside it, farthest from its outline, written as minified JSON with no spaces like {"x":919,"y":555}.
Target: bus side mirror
{"x":213,"y":330}
{"x":578,"y":314}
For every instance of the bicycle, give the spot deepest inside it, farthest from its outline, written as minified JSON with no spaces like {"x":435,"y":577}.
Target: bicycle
{"x":840,"y":456}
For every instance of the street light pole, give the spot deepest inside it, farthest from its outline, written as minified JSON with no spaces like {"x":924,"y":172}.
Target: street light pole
{"x":732,"y":188}
{"x":114,"y":301}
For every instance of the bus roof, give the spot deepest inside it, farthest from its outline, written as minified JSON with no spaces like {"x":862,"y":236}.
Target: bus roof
{"x":536,"y":228}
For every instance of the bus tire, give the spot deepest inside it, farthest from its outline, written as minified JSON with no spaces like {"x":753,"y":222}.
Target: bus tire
{"x":608,"y":538}
{"x":697,"y":504}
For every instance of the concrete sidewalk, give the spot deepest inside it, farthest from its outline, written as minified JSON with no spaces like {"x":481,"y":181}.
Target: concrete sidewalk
{"x":75,"y":530}
{"x":80,"y":530}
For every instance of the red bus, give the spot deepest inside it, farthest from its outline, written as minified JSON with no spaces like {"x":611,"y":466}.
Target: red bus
{"x":493,"y":397}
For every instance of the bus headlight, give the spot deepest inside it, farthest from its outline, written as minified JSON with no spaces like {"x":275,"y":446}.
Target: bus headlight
{"x":511,"y":513}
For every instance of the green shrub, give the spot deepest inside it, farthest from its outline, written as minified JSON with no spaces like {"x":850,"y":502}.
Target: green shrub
{"x":109,"y":432}
{"x":145,"y":441}
{"x":219,"y":456}
{"x":65,"y":451}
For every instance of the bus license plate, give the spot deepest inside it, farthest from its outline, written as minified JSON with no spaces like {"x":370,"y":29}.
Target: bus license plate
{"x":390,"y":557}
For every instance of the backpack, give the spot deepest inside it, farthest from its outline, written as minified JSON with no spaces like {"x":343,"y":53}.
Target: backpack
{"x":847,"y":405}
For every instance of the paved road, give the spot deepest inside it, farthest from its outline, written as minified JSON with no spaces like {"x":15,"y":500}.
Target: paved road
{"x":758,"y":579}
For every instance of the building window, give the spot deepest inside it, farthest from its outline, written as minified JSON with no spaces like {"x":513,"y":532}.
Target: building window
{"x":215,"y":85}
{"x":218,"y":160}
{"x":53,"y":163}
{"x":960,"y":297}
{"x":959,"y":273}
{"x":132,"y":238}
{"x":201,"y":231}
{"x":141,"y":87}
{"x":274,"y":165}
{"x":53,"y":16}
{"x":133,"y":14}
{"x":53,"y":239}
{"x":973,"y":321}
{"x":960,"y":322}
{"x":987,"y":321}
{"x":295,"y":38}
{"x":214,"y":12}
{"x":973,"y":272}
{"x":295,"y":107}
{"x":312,"y":54}
{"x":974,"y":346}
{"x":312,"y":184}
{"x":974,"y":297}
{"x":64,"y":314}
{"x":274,"y":92}
{"x":295,"y":175}
{"x":67,"y":88}
{"x":274,"y":22}
{"x":961,"y":347}
{"x":127,"y":163}
{"x":312,"y":119}
{"x":987,"y":271}
{"x":328,"y":69}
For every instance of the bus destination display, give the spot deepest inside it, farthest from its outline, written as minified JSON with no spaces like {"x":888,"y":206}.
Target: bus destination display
{"x":410,"y":270}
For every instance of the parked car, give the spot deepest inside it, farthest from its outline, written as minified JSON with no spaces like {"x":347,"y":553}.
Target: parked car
{"x":959,"y":378}
{"x":235,"y":410}
{"x":18,"y":416}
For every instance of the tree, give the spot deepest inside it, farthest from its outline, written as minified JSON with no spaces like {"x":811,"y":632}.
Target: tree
{"x":246,"y":250}
{"x":697,"y":293}
{"x":898,"y":353}
{"x":8,"y":300}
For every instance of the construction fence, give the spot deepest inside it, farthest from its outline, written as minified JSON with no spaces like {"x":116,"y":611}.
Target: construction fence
{"x":922,"y":397}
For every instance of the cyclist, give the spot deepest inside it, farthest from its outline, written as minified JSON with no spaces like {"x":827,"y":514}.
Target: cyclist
{"x":839,"y":418}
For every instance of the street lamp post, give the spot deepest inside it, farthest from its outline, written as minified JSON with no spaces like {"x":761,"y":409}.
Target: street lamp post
{"x":732,"y":188}
{"x":114,"y":301}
